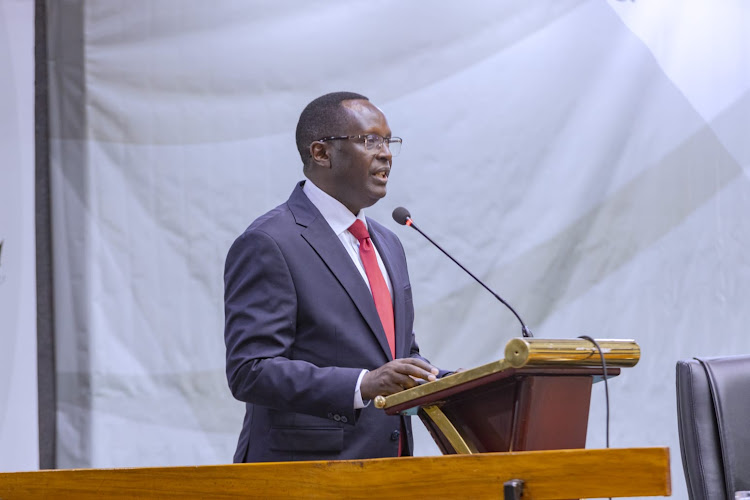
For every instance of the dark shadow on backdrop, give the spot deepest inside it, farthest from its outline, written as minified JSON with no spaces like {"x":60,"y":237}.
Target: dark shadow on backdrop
{"x":44,"y":292}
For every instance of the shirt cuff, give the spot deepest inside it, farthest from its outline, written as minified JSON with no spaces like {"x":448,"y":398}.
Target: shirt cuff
{"x":358,"y":402}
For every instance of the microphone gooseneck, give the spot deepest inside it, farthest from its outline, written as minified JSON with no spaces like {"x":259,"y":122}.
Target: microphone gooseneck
{"x":403,"y":217}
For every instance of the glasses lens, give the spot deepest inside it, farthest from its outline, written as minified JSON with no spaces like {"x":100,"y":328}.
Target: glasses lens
{"x":373,"y":141}
{"x":394,"y":144}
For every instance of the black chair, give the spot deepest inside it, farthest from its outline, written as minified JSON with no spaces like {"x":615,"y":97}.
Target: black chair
{"x":713,"y":412}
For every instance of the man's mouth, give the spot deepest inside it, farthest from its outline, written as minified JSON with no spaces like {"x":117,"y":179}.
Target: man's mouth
{"x":382,"y":174}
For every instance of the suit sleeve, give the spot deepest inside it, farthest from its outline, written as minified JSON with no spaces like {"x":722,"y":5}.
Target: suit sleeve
{"x":260,"y":323}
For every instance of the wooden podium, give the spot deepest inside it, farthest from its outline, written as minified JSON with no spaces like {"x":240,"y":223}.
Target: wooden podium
{"x":547,"y":475}
{"x":537,"y":398}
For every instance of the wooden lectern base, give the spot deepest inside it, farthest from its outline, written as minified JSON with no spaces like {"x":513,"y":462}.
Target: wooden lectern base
{"x":537,"y":398}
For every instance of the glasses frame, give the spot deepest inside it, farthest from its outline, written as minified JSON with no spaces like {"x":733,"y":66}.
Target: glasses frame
{"x":367,"y":139}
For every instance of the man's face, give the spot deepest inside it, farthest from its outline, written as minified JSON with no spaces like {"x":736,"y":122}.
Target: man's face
{"x":359,"y":176}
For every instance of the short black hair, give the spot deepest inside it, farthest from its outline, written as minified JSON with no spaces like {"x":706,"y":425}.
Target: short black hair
{"x":323,"y":117}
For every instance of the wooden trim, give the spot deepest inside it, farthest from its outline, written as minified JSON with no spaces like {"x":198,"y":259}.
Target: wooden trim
{"x":547,"y":475}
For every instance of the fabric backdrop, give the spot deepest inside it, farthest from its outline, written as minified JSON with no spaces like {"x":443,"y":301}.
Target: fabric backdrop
{"x":19,"y":445}
{"x":587,"y":159}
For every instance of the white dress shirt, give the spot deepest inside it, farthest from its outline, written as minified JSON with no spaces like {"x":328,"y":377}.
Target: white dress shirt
{"x":340,"y":219}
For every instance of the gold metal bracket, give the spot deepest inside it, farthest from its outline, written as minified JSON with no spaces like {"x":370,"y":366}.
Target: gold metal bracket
{"x":449,"y":431}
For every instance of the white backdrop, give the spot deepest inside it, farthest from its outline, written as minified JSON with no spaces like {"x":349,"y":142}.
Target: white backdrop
{"x":19,"y":439}
{"x":587,"y":159}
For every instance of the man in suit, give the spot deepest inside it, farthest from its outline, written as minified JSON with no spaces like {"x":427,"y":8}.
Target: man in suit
{"x":318,"y":320}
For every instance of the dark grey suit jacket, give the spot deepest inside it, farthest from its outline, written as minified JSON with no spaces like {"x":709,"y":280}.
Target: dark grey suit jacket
{"x":301,"y":324}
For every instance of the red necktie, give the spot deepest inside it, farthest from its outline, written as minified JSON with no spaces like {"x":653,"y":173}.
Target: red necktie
{"x":380,"y":293}
{"x":379,"y":289}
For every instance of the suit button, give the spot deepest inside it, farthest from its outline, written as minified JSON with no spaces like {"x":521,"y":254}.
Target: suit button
{"x":337,"y":417}
{"x":394,"y":435}
{"x":344,"y":419}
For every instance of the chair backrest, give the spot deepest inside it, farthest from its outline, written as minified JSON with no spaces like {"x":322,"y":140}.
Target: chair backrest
{"x":713,"y":411}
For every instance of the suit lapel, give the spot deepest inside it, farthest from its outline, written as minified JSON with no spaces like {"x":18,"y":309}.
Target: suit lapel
{"x":327,"y":245}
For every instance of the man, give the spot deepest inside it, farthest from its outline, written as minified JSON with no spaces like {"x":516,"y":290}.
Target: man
{"x":318,"y":320}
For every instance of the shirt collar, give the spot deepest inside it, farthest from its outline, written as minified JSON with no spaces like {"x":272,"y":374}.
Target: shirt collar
{"x":333,"y":211}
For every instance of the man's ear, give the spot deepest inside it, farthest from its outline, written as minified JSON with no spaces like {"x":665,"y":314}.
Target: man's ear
{"x":319,"y":154}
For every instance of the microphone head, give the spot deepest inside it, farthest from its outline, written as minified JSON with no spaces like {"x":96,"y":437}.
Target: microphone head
{"x":401,"y":215}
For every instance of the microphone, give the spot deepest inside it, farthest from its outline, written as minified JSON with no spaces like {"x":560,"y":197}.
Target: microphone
{"x":403,"y":217}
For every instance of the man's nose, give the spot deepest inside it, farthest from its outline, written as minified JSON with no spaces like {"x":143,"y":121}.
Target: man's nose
{"x":384,"y":151}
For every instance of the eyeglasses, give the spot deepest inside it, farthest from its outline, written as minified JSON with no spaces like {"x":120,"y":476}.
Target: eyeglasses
{"x":372,"y":141}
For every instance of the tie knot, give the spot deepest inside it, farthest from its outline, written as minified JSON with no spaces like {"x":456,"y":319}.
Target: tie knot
{"x":359,"y":230}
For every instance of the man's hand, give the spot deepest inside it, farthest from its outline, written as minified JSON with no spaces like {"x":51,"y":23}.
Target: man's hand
{"x":396,"y":376}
